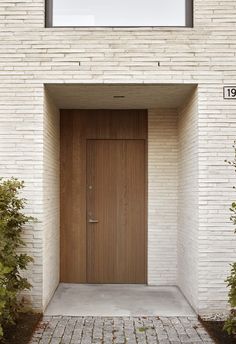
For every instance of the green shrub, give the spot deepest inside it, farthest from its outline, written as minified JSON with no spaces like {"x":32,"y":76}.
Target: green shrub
{"x":12,"y":262}
{"x":230,"y":324}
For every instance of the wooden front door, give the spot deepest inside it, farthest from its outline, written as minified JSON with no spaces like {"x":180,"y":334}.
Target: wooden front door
{"x":116,"y":211}
{"x":103,"y":171}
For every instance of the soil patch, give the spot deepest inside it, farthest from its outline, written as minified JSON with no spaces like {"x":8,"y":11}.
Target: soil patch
{"x":22,"y":331}
{"x":215,"y":330}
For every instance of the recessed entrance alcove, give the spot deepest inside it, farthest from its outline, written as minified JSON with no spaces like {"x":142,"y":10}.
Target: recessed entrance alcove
{"x":120,"y":166}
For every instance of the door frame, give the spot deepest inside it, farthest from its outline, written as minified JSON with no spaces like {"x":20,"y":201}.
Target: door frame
{"x":76,"y":126}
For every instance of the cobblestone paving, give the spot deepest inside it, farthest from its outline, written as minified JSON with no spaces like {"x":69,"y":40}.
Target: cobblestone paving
{"x":120,"y":330}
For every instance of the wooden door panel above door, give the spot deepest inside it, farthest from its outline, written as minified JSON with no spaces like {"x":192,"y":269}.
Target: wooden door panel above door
{"x":116,"y":244}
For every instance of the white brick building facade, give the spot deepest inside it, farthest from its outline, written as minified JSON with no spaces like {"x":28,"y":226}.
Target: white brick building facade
{"x":190,"y":238}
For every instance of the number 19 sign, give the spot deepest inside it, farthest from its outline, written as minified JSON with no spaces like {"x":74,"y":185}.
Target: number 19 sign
{"x":230,"y":92}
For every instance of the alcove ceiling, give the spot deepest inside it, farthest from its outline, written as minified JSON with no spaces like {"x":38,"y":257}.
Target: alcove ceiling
{"x":119,"y":96}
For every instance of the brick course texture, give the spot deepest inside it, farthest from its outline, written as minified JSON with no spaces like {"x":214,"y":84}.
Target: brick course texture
{"x":191,"y":240}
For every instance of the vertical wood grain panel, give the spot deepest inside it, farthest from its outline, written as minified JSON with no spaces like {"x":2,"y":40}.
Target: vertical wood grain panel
{"x":73,"y":195}
{"x":116,"y":245}
{"x":76,"y":127}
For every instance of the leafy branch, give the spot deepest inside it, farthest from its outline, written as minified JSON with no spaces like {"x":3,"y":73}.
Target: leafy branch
{"x":230,"y":324}
{"x":12,"y":224}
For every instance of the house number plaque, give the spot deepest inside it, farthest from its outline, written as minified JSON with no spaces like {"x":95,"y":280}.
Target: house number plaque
{"x":230,"y":92}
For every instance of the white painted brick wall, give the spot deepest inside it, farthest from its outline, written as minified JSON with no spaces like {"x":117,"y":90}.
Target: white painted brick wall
{"x":51,"y":199}
{"x":162,"y":196}
{"x":188,"y":199}
{"x":31,"y":56}
{"x":217,"y":246}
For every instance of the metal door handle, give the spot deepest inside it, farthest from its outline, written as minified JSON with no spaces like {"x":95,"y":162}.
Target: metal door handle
{"x":92,"y":221}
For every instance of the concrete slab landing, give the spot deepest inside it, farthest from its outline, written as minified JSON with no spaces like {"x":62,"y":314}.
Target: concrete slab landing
{"x":118,"y":300}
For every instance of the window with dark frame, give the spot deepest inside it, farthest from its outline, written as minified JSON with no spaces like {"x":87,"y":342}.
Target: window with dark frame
{"x":123,"y":13}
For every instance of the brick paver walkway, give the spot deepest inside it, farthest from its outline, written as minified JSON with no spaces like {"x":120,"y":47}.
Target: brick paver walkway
{"x":120,"y":330}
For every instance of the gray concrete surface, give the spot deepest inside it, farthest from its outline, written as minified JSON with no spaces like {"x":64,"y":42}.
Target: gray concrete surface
{"x":125,"y":330}
{"x":118,"y":300}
